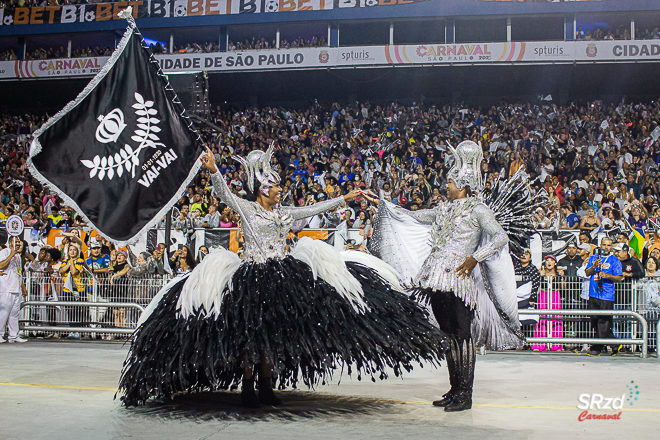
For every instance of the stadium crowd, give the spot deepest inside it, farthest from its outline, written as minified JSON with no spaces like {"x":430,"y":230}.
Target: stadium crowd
{"x":620,"y":33}
{"x":597,"y":162}
{"x":158,"y":48}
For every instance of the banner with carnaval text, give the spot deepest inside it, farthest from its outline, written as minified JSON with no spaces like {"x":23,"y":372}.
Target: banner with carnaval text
{"x":359,"y":56}
{"x":97,"y":12}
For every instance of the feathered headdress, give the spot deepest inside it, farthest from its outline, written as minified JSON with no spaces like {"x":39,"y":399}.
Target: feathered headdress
{"x":466,"y":171}
{"x":257,"y":166}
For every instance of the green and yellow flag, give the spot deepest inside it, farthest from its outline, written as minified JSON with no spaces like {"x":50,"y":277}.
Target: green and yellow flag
{"x":636,"y":243}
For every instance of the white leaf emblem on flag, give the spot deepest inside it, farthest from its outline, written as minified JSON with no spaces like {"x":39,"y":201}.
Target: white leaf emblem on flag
{"x":110,"y":127}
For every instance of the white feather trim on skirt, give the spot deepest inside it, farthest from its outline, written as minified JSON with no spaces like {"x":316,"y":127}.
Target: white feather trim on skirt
{"x":205,"y":287}
{"x":327,"y":263}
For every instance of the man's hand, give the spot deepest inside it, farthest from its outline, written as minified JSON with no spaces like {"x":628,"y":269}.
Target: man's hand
{"x":352,"y":195}
{"x":465,"y":269}
{"x":627,"y":274}
{"x":209,"y":161}
{"x":12,"y":247}
{"x":24,"y":290}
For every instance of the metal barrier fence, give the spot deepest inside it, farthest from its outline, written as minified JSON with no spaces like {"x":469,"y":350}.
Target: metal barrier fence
{"x":95,"y":306}
{"x":643,"y":340}
{"x":565,"y":293}
{"x":101,"y":308}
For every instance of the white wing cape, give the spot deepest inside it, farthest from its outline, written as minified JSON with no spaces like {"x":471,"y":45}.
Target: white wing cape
{"x":404,"y":244}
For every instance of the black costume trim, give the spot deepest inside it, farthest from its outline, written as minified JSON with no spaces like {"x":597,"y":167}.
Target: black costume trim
{"x":303,"y":327}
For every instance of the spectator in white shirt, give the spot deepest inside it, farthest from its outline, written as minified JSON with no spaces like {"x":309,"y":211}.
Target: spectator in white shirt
{"x":212,"y":219}
{"x":11,"y":288}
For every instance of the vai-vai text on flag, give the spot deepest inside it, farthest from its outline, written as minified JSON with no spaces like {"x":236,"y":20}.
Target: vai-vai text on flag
{"x":124,"y":149}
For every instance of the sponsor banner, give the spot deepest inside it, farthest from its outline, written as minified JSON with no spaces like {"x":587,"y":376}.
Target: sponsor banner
{"x":52,"y":68}
{"x":619,"y":50}
{"x":334,"y":57}
{"x":513,"y":52}
{"x":179,"y":63}
{"x":246,"y":60}
{"x":175,"y":8}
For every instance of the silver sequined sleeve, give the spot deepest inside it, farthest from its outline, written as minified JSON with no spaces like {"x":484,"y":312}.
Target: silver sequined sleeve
{"x":224,"y":192}
{"x":424,"y":216}
{"x":486,"y":219}
{"x":318,"y":208}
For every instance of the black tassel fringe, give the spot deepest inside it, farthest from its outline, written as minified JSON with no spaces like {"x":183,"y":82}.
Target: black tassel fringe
{"x":303,"y":327}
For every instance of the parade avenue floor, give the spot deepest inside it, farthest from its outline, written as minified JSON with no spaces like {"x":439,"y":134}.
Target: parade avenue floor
{"x":64,"y":390}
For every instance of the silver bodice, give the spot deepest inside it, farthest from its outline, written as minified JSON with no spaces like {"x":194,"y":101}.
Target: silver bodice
{"x":456,"y":233}
{"x":265,"y":231}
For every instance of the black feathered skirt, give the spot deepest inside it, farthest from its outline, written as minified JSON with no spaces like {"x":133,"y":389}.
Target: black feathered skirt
{"x":279,"y":312}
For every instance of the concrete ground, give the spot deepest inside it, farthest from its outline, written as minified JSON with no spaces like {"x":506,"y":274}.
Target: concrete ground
{"x":64,"y":390}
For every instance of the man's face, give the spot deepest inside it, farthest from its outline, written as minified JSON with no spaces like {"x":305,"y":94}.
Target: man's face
{"x":18,"y":245}
{"x":96,"y":252}
{"x":453,"y":192}
{"x":571,"y":251}
{"x":526,"y":258}
{"x":606,"y":245}
{"x":622,"y":255}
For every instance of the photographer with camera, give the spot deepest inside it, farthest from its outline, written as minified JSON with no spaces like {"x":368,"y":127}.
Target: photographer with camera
{"x":603,"y":270}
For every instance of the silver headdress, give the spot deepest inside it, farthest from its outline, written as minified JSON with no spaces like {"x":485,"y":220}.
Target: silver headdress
{"x":466,"y":171}
{"x":257,"y":166}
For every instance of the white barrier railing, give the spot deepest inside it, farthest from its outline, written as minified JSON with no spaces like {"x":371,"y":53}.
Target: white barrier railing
{"x":100,"y":307}
{"x":95,"y":305}
{"x":565,"y":293}
{"x":643,"y":341}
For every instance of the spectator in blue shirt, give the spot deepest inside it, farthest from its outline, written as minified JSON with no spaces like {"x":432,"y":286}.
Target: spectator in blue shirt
{"x":572,"y":219}
{"x":603,"y":270}
{"x":98,"y":262}
{"x":416,"y":160}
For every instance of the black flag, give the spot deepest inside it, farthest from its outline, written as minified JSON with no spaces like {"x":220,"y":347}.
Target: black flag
{"x":122,"y":152}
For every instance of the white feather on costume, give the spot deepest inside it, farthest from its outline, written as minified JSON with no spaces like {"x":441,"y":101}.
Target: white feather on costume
{"x":496,"y":276}
{"x":400,"y":241}
{"x":409,"y":250}
{"x":383,"y":269}
{"x":326,"y":263}
{"x":156,"y":299}
{"x":205,"y":286}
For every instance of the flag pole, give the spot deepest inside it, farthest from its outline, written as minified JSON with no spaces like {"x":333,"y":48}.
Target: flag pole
{"x":168,"y":232}
{"x":127,"y":14}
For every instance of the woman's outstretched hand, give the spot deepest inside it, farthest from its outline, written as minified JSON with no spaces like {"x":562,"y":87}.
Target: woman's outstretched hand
{"x":352,"y":195}
{"x":209,"y":161}
{"x":371,"y":197}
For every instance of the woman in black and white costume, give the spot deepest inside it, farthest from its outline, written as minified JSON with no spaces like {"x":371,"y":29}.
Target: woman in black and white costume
{"x":299,"y":314}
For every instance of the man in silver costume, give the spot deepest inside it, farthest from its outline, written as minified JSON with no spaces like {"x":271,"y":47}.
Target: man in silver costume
{"x":464,"y":232}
